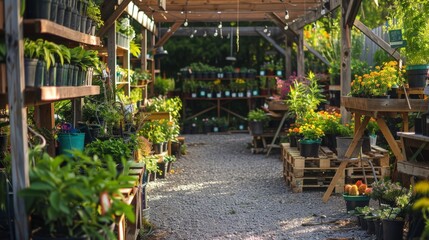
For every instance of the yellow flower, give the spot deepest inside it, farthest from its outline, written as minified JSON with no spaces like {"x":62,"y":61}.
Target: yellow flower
{"x":422,"y":187}
{"x":421,"y":203}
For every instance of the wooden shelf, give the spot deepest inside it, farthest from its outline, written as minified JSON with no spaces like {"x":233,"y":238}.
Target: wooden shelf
{"x":334,"y":87}
{"x":224,"y":98}
{"x":418,"y":169}
{"x":44,"y":26}
{"x":37,"y":96}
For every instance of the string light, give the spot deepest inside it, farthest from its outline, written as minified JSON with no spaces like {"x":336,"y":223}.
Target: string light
{"x":286,"y":27}
{"x":185,"y":23}
{"x":265,"y":29}
{"x":220,"y":25}
{"x":205,"y":34}
{"x":269,"y":33}
{"x":286,"y":14}
{"x":215,"y":33}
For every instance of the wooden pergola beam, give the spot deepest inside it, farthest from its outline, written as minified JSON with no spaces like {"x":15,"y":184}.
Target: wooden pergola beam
{"x":168,"y":34}
{"x":270,"y":40}
{"x":317,"y":54}
{"x":279,"y":22}
{"x":352,"y":10}
{"x":377,"y":40}
{"x":113,"y":17}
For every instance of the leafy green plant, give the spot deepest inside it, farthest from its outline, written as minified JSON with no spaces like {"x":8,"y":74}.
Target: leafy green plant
{"x":123,"y":26}
{"x":190,"y":86}
{"x":153,"y":131}
{"x":151,"y":163}
{"x":94,"y":13}
{"x":411,"y":16}
{"x":170,"y":158}
{"x":257,"y":115}
{"x":44,"y":50}
{"x":163,"y":85}
{"x":67,"y":195}
{"x":118,"y":149}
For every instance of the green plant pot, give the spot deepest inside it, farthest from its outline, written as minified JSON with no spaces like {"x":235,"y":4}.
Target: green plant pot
{"x":51,"y":78}
{"x":69,"y":141}
{"x":355,"y":201}
{"x":60,"y":13}
{"x":54,"y":10}
{"x":67,"y":16}
{"x":43,"y":9}
{"x":40,"y":74}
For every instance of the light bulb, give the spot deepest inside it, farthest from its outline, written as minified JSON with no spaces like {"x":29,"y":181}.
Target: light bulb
{"x":220,"y":25}
{"x":228,"y":36}
{"x":265,"y":29}
{"x":205,"y":34}
{"x":286,"y":27}
{"x":269,"y":33}
{"x":215,"y":33}
{"x":192,"y":36}
{"x":286,"y":14}
{"x":195,"y":31}
{"x":169,"y":29}
{"x":323,"y":12}
{"x":185,"y":23}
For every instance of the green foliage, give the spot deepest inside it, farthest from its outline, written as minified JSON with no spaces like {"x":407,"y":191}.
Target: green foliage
{"x":47,"y":51}
{"x":123,"y":26}
{"x":64,"y":194}
{"x":94,"y":13}
{"x":257,"y":115}
{"x":412,"y":17}
{"x":135,"y":48}
{"x":117,"y":148}
{"x":190,"y":86}
{"x":85,"y":58}
{"x":151,"y":163}
{"x":153,"y":131}
{"x":170,"y":158}
{"x":304,"y":97}
{"x":163,"y":85}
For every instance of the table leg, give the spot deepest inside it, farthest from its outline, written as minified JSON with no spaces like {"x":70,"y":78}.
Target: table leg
{"x":337,"y":176}
{"x":390,"y":139}
{"x":405,"y":125}
{"x":358,"y":121}
{"x":218,"y":108}
{"x":358,"y":135}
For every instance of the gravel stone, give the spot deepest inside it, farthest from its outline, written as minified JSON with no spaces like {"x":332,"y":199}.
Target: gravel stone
{"x":220,"y":190}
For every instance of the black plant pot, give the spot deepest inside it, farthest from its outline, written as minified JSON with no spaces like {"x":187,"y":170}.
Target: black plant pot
{"x":256,"y":128}
{"x":309,"y":149}
{"x":417,"y":75}
{"x":371,"y":228}
{"x":60,"y":13}
{"x":69,"y":81}
{"x":67,"y":17}
{"x":54,"y":10}
{"x":40,"y":74}
{"x":363,"y":223}
{"x":43,"y":9}
{"x":418,"y":126}
{"x":83,"y":24}
{"x":293,"y":141}
{"x":393,"y":229}
{"x":75,"y":75}
{"x":157,"y":148}
{"x":30,"y":66}
{"x":88,"y":25}
{"x":378,"y":229}
{"x":162,"y":167}
{"x":51,"y":78}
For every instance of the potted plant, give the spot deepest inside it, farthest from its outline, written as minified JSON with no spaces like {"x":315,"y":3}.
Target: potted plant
{"x":141,"y":77}
{"x":294,"y":135}
{"x":228,"y":70}
{"x":378,"y":82}
{"x":257,"y":119}
{"x":356,"y":195}
{"x":75,"y":197}
{"x":93,"y":18}
{"x":153,"y":131}
{"x":311,"y":140}
{"x":117,"y":148}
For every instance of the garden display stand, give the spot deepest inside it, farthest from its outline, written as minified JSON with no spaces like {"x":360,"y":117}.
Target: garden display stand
{"x":375,"y":108}
{"x":279,"y":128}
{"x":415,"y":147}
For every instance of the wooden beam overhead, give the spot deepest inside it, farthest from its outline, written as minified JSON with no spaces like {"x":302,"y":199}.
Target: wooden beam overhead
{"x":272,"y":41}
{"x":226,"y":10}
{"x":112,"y":18}
{"x":377,"y":40}
{"x":168,"y":34}
{"x":352,"y":10}
{"x":281,"y":24}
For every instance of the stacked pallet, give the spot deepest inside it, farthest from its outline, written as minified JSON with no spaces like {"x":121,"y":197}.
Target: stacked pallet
{"x":301,"y":172}
{"x":312,"y":173}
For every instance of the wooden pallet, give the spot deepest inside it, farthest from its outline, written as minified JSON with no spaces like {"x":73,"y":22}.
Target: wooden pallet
{"x":304,"y":173}
{"x":299,"y":184}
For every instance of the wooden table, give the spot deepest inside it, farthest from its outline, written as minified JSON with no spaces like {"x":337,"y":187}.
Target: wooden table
{"x":376,"y":108}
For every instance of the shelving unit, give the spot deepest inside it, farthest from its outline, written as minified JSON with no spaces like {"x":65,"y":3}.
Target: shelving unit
{"x":18,"y":96}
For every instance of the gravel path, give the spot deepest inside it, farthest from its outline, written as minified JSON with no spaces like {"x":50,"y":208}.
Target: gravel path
{"x":219,"y":190}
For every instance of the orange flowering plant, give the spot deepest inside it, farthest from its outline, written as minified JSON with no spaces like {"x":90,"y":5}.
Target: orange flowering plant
{"x":379,"y":81}
{"x":293,"y":130}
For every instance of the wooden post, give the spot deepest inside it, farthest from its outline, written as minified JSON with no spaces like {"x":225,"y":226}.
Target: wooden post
{"x":300,"y":54}
{"x":111,"y":52}
{"x":18,"y":113}
{"x":345,"y":59}
{"x":288,"y":57}
{"x":144,"y":50}
{"x":44,"y":117}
